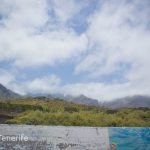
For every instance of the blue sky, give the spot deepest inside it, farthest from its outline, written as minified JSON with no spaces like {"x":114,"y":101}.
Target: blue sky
{"x":98,"y":48}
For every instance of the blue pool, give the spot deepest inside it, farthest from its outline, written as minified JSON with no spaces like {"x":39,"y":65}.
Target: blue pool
{"x":129,"y":138}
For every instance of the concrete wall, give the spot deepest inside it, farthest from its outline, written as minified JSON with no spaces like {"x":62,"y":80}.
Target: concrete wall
{"x":53,"y":138}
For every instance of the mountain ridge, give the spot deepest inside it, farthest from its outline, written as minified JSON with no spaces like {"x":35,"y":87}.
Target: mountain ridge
{"x":7,"y":93}
{"x":135,"y":101}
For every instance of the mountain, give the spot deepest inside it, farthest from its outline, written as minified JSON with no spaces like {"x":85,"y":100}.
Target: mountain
{"x":136,"y":101}
{"x":7,"y":94}
{"x":63,"y":96}
{"x":81,"y":99}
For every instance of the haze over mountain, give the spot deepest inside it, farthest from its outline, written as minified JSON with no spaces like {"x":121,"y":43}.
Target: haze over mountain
{"x":7,"y":94}
{"x":81,"y":99}
{"x":135,"y":101}
{"x":129,"y":102}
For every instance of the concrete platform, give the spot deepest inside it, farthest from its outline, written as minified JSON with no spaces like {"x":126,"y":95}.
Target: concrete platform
{"x":24,"y":137}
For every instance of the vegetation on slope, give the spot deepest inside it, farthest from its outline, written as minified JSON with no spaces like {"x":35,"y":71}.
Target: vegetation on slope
{"x":59,"y":112}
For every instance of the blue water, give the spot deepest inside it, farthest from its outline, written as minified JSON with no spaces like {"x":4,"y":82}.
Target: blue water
{"x":130,"y":138}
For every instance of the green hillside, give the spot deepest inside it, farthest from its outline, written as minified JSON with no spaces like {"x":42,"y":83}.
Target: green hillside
{"x":59,"y":112}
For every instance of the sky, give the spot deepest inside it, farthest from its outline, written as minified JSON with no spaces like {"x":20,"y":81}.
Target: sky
{"x":99,"y":48}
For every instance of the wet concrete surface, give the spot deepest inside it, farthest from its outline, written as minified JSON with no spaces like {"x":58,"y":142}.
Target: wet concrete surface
{"x":54,"y":138}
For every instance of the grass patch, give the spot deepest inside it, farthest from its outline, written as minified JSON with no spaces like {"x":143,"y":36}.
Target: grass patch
{"x":58,"y":112}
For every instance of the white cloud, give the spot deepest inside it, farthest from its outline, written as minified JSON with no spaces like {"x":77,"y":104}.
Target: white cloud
{"x":45,"y":49}
{"x":44,"y":85}
{"x":19,"y":14}
{"x":113,"y":38}
{"x":52,"y":84}
{"x":47,"y":84}
{"x":65,"y":9}
{"x":29,"y":37}
{"x":118,"y":35}
{"x":6,"y":78}
{"x":103,"y":92}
